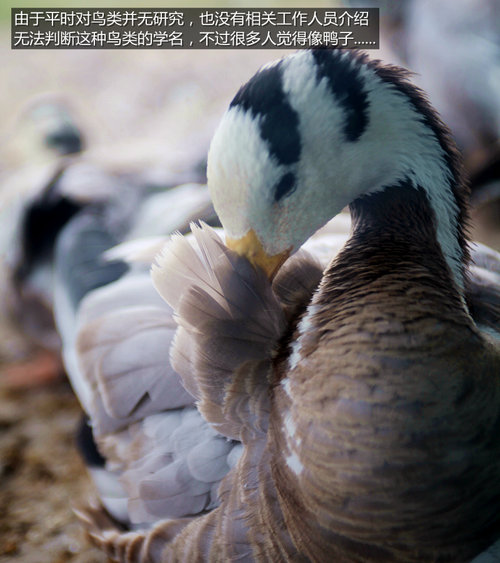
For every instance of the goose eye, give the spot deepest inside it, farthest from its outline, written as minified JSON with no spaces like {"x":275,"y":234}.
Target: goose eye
{"x":285,"y":186}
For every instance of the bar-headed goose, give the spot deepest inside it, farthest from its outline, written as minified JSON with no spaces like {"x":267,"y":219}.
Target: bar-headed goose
{"x":53,"y":184}
{"x":346,"y":413}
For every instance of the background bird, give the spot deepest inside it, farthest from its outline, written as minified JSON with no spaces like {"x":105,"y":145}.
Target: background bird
{"x":130,"y":197}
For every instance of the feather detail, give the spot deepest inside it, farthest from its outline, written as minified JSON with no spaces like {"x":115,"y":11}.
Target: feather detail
{"x":230,"y":324}
{"x":183,"y":266}
{"x":123,"y":349}
{"x":171,"y":464}
{"x":131,"y":547}
{"x":297,"y":280}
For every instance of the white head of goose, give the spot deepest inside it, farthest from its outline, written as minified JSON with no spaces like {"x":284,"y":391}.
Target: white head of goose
{"x":315,"y":132}
{"x":370,"y":422}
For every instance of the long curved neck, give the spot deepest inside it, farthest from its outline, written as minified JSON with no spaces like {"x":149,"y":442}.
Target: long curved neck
{"x":423,"y":150}
{"x":373,"y":407}
{"x":396,"y":231}
{"x":392,"y":267}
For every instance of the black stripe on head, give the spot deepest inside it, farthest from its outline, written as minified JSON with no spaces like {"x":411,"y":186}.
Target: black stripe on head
{"x":286,"y":186}
{"x":264,"y":97}
{"x":347,"y":87}
{"x":65,"y":140}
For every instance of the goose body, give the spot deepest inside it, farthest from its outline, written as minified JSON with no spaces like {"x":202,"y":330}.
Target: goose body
{"x":344,"y":410}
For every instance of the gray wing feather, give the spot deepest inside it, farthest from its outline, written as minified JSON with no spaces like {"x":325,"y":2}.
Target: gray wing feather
{"x":178,"y":468}
{"x":124,"y":354}
{"x":207,"y":461}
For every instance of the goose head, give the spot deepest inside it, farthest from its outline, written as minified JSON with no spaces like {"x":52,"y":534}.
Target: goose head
{"x":316,"y":131}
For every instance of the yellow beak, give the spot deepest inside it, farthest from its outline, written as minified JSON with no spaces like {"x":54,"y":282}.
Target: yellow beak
{"x":251,"y":247}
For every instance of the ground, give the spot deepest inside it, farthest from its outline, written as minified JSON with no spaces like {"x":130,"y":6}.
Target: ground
{"x":41,"y":477}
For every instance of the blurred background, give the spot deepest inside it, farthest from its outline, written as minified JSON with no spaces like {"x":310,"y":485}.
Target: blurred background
{"x":151,"y":114}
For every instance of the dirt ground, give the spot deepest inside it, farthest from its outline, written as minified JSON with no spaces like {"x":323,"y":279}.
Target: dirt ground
{"x":41,"y":477}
